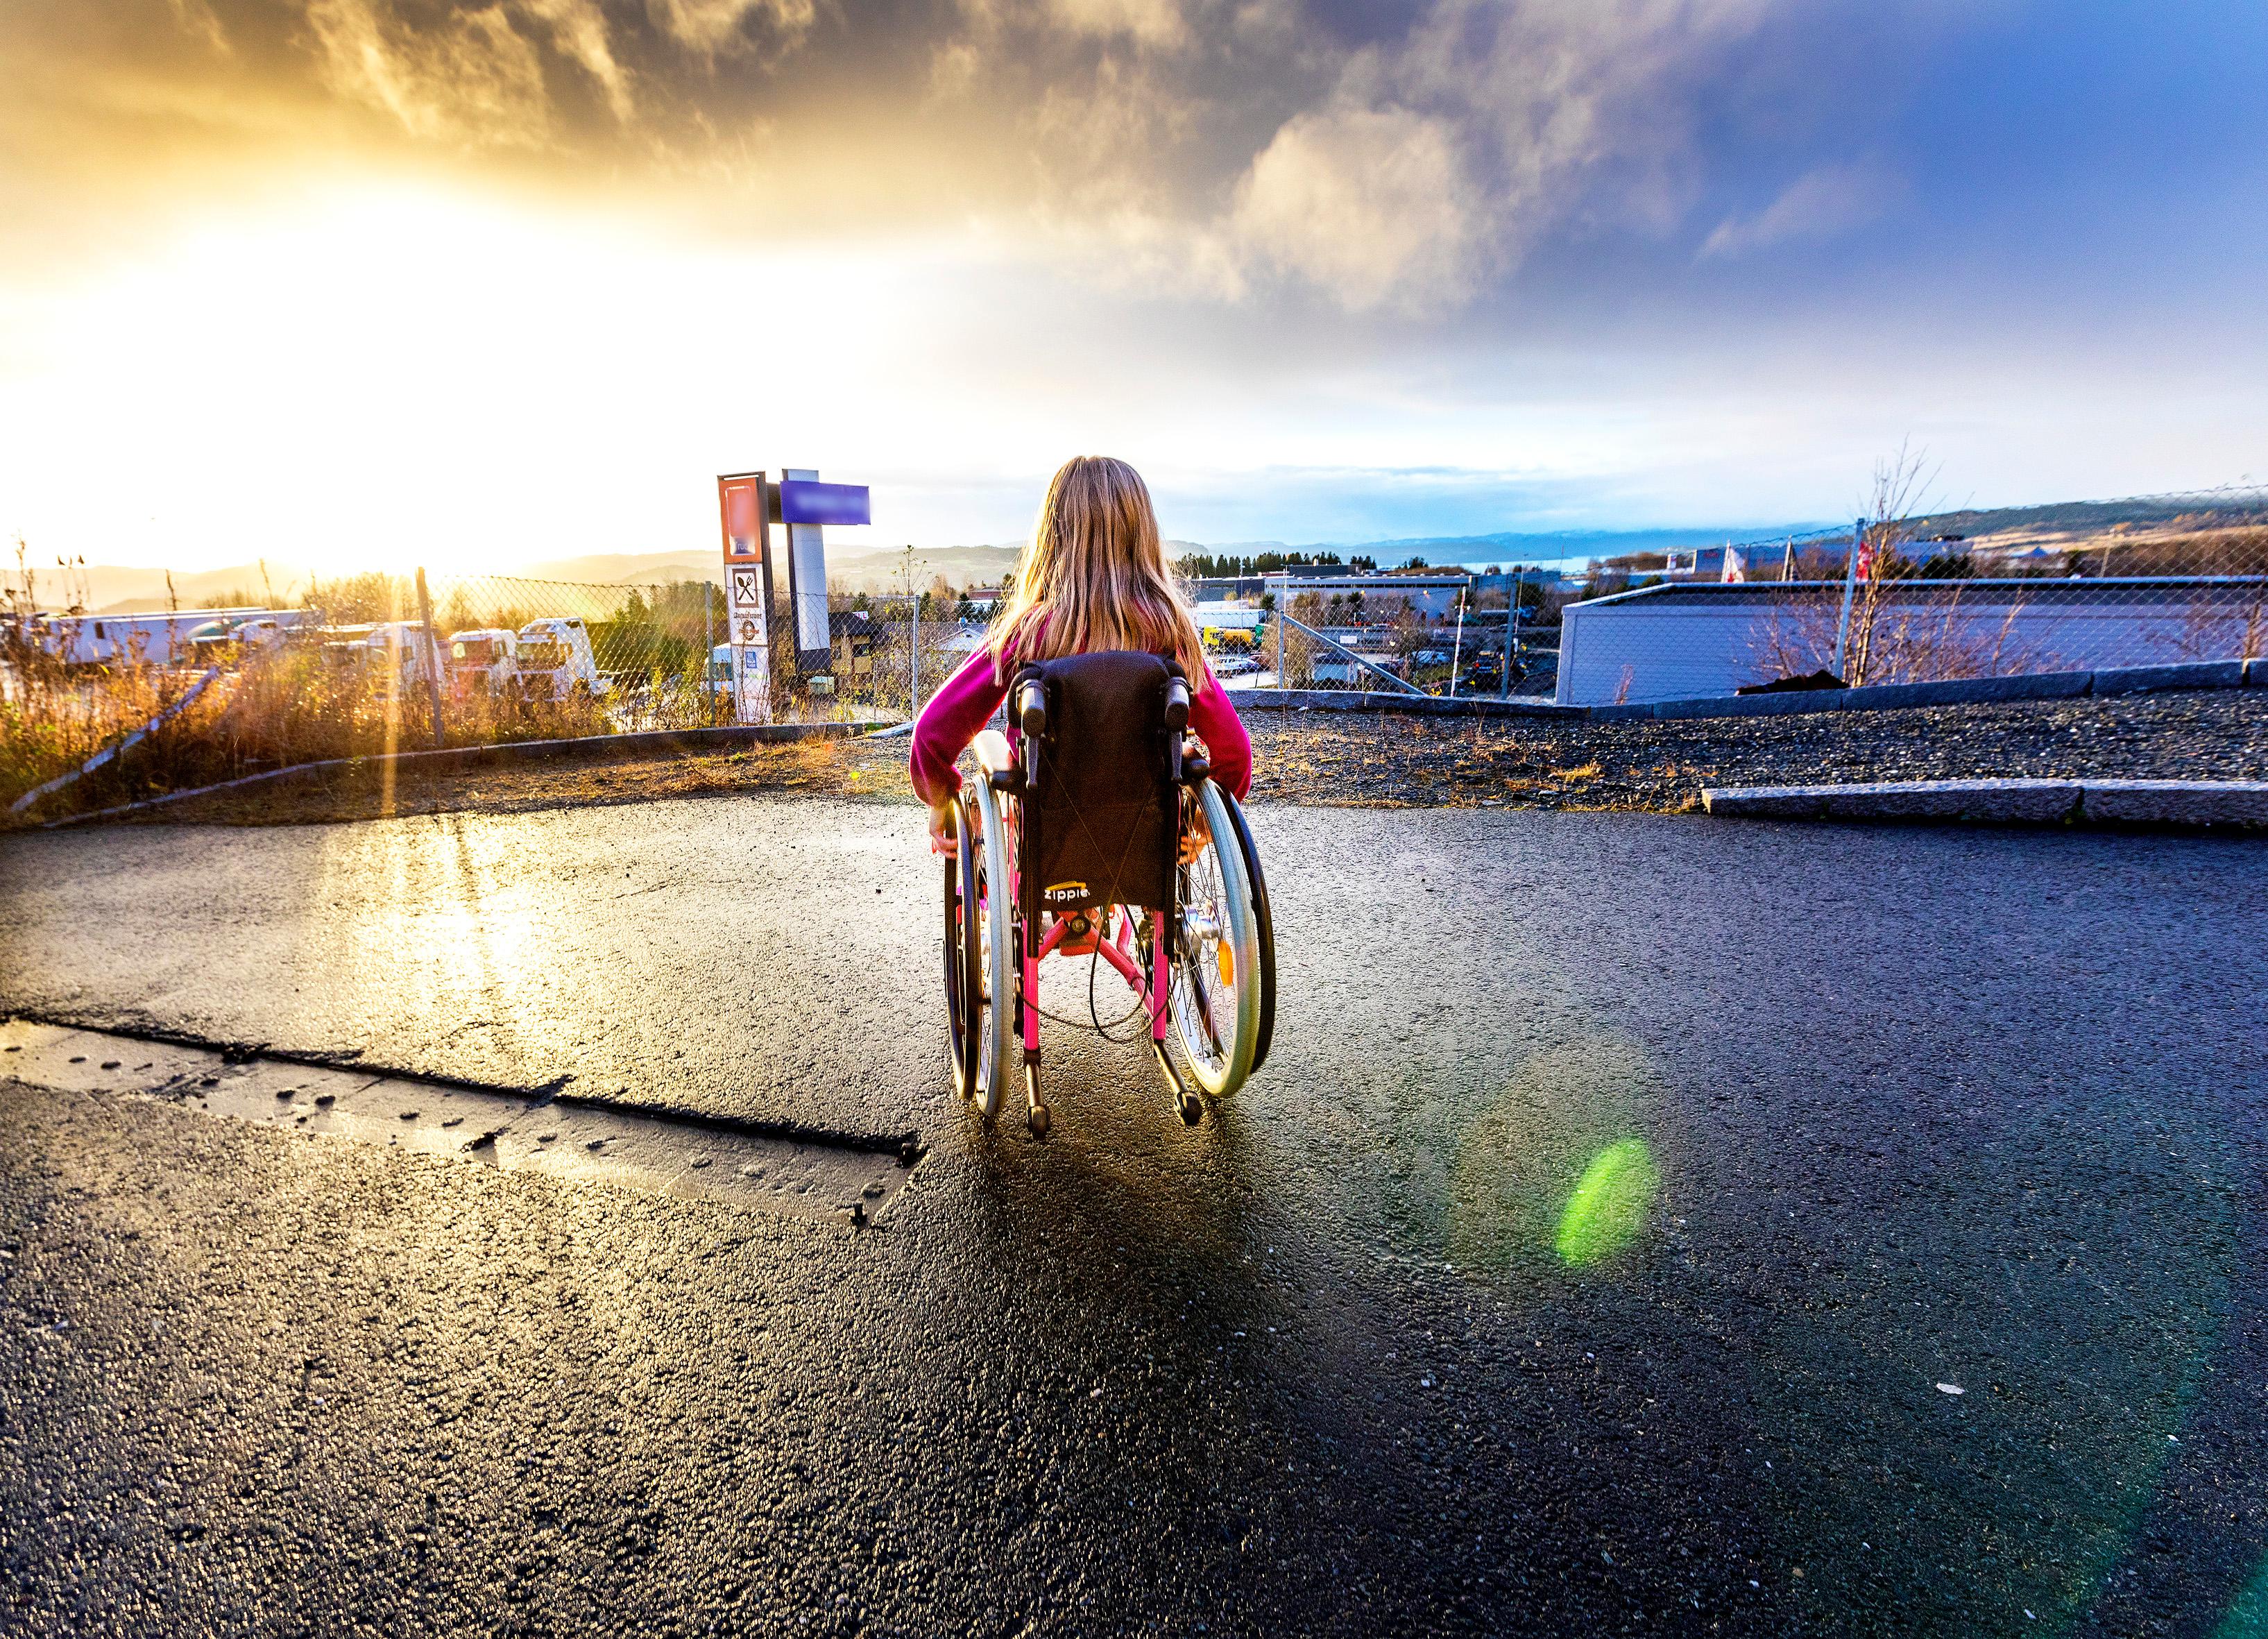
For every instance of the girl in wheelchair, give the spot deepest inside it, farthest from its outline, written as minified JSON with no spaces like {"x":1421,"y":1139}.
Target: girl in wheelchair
{"x":1094,"y":828}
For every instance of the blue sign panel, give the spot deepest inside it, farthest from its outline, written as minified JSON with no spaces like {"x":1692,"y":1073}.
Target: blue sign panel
{"x":803,"y":500}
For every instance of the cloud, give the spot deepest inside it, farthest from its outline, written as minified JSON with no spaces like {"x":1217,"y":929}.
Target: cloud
{"x":198,"y":18}
{"x":1371,"y":204}
{"x":1375,"y":160}
{"x":1457,"y":148}
{"x":578,"y":32}
{"x":1825,"y":203}
{"x":474,"y":78}
{"x":1157,"y":24}
{"x":477,"y":77}
{"x":712,"y":25}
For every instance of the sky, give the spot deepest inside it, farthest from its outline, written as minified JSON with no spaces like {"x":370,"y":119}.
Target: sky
{"x":354,"y":282}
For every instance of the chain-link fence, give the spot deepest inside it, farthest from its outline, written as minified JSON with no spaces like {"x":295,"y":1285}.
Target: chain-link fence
{"x":1487,"y":634}
{"x":379,"y":662}
{"x":886,"y":656}
{"x":2159,"y":581}
{"x":375,"y":663}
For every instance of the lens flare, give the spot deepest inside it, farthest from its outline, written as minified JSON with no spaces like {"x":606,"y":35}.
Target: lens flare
{"x":1610,"y":1204}
{"x":2248,"y":1617}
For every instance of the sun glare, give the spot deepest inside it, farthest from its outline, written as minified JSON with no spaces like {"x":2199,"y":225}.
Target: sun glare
{"x":394,"y":376}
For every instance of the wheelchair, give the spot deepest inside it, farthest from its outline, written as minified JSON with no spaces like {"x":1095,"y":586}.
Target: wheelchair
{"x":1099,"y":833}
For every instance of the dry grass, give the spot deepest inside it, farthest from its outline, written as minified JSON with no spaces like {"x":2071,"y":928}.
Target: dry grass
{"x":274,"y":710}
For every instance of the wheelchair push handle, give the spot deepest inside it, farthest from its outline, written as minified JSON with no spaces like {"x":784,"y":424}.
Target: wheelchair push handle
{"x":1032,"y":707}
{"x":1177,"y":722}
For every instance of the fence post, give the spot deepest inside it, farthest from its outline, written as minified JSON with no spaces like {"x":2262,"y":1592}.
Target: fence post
{"x":1457,"y":649}
{"x":1283,"y":587}
{"x":708,"y":649}
{"x":432,"y":654}
{"x":1512,"y":630}
{"x":913,"y":658}
{"x":1850,"y":585}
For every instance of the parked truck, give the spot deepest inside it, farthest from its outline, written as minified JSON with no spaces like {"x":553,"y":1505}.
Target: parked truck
{"x":372,"y":647}
{"x":485,"y":660}
{"x":402,"y":645}
{"x":554,"y":660}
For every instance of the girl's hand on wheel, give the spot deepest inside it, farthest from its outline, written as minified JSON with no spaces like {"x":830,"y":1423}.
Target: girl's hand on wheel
{"x":940,"y":830}
{"x":1195,"y":835}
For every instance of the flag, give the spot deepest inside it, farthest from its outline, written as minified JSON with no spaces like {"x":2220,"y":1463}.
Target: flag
{"x":1736,"y":567}
{"x":1864,"y":568}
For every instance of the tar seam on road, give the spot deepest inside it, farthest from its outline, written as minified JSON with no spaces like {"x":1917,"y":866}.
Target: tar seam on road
{"x":905,"y":1146}
{"x":512,"y":1130}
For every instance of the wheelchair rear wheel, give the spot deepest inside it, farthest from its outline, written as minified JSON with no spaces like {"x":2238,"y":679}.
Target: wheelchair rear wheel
{"x":986,"y":1042}
{"x":1221,"y":980}
{"x":961,"y":978}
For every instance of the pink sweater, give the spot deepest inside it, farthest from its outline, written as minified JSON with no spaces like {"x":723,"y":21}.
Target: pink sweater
{"x":971,"y":695}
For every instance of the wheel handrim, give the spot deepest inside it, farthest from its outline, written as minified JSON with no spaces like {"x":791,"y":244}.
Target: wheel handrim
{"x":992,"y":986}
{"x":1216,"y":979}
{"x":980,"y":1008}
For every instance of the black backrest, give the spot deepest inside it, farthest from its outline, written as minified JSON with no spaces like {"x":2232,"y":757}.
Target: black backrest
{"x":1107,"y":815}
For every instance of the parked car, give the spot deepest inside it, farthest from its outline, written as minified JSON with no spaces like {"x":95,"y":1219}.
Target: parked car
{"x":210,"y":643}
{"x":1234,"y":665}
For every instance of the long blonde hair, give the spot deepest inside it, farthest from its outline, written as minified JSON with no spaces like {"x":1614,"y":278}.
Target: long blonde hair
{"x":1094,"y":577}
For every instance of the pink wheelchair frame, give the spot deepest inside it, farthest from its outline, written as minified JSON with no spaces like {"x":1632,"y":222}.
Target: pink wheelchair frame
{"x":1140,"y":946}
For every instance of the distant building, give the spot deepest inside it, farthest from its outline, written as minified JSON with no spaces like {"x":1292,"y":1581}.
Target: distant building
{"x":1228,"y":617}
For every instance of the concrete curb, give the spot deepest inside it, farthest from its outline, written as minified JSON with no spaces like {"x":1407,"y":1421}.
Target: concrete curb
{"x":588,"y":748}
{"x":2189,"y":804}
{"x":2065,"y":685}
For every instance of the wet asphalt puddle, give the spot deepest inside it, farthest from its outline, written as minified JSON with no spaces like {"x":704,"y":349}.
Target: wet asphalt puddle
{"x":514,"y":1132}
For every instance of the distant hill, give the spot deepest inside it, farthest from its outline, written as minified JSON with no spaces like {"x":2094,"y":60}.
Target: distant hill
{"x":2065,"y":521}
{"x":854,"y":569}
{"x":115,"y":589}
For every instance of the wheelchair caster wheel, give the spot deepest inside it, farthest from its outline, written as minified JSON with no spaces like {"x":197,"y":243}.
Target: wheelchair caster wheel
{"x":1192,"y":1109}
{"x":1037,"y":1120}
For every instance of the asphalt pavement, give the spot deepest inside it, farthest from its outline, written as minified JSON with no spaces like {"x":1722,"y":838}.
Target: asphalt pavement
{"x":1643,"y":1224}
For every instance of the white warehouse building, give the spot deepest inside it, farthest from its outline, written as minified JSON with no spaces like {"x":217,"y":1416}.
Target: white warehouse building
{"x":1686,"y":641}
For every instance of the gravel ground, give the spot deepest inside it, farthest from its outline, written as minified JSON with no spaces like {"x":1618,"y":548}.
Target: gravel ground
{"x":1328,"y":758}
{"x":1384,"y":761}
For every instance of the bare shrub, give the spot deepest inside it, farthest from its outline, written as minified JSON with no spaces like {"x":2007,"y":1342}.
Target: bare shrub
{"x":1918,"y":632}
